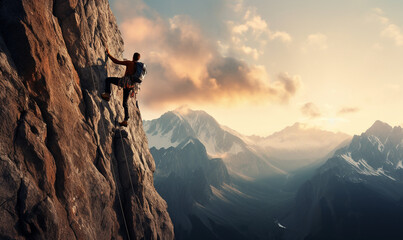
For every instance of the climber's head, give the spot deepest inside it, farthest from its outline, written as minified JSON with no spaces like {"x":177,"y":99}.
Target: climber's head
{"x":136,"y":56}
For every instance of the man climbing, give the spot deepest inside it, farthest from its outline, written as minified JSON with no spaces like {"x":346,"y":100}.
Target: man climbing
{"x":135,"y":72}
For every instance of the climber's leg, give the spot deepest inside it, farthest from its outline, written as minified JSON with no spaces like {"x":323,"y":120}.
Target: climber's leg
{"x":108,"y":81}
{"x":126,"y":93}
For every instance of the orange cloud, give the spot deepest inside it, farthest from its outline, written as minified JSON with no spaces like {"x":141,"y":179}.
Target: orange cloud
{"x":347,"y":110}
{"x":311,"y":110}
{"x":138,"y":29}
{"x":228,"y":81}
{"x":184,"y":66}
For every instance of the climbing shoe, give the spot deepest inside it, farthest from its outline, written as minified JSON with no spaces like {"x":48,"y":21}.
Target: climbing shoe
{"x":106,"y":96}
{"x":123,"y":124}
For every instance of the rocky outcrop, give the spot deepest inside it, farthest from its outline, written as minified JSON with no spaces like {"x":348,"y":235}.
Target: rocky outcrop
{"x":66,"y":172}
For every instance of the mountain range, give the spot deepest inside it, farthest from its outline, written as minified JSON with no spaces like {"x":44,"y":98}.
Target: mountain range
{"x":299,"y":145}
{"x":220,"y":184}
{"x":356,"y":194}
{"x":315,"y":184}
{"x":248,"y":156}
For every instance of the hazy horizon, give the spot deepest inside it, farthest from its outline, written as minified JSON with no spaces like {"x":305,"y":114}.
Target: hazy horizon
{"x":301,"y":124}
{"x":260,"y":66}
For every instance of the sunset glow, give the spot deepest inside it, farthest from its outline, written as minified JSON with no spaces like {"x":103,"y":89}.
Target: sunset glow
{"x":258,"y":66}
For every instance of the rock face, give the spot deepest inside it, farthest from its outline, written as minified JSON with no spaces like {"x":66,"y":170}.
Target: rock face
{"x":66,"y":172}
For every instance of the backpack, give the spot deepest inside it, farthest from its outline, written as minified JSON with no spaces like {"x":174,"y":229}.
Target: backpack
{"x":141,"y":71}
{"x":135,"y":79}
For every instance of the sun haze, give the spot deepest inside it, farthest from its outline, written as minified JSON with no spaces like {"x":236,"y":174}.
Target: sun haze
{"x":258,"y":66}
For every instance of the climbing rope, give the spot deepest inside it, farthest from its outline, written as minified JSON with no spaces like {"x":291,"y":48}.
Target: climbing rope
{"x":112,"y":168}
{"x":127,"y":162}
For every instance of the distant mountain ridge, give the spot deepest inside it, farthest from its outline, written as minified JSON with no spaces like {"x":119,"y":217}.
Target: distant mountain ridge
{"x":175,"y":126}
{"x":356,"y":194}
{"x":167,"y":131}
{"x":377,"y":152}
{"x":300,"y":145}
{"x":211,"y":175}
{"x":294,"y":147}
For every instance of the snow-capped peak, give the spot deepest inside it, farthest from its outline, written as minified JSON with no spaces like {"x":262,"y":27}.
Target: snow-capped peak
{"x":362,"y":167}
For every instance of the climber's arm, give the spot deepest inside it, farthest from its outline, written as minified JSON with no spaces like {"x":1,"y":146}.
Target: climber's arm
{"x":116,"y":60}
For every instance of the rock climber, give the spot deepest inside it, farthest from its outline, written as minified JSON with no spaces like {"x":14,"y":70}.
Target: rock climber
{"x":135,"y":72}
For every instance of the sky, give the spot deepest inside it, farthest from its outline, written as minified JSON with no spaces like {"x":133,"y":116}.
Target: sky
{"x":258,"y":66}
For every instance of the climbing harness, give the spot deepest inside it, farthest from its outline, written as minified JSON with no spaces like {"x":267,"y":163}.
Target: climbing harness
{"x":128,"y":83}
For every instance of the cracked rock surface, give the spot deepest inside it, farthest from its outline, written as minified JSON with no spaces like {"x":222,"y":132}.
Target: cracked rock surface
{"x":66,"y":171}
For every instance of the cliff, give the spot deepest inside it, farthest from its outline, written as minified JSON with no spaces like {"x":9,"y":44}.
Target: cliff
{"x":63,"y":168}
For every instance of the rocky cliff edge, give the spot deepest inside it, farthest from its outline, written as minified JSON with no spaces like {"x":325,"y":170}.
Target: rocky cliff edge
{"x":63,"y":168}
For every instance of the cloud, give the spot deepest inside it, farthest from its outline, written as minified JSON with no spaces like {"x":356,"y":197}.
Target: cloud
{"x":283,"y":36}
{"x":251,"y":32}
{"x":251,"y":51}
{"x":227,"y":81}
{"x":317,"y":41}
{"x":393,"y":32}
{"x":390,"y":30}
{"x":126,"y":9}
{"x":311,"y":110}
{"x":348,"y":110}
{"x":138,"y":29}
{"x":253,"y":24}
{"x":237,"y":5}
{"x":184,"y":66}
{"x":290,"y":84}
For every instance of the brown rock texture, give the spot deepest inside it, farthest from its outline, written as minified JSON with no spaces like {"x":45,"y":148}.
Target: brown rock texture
{"x":63,"y":168}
